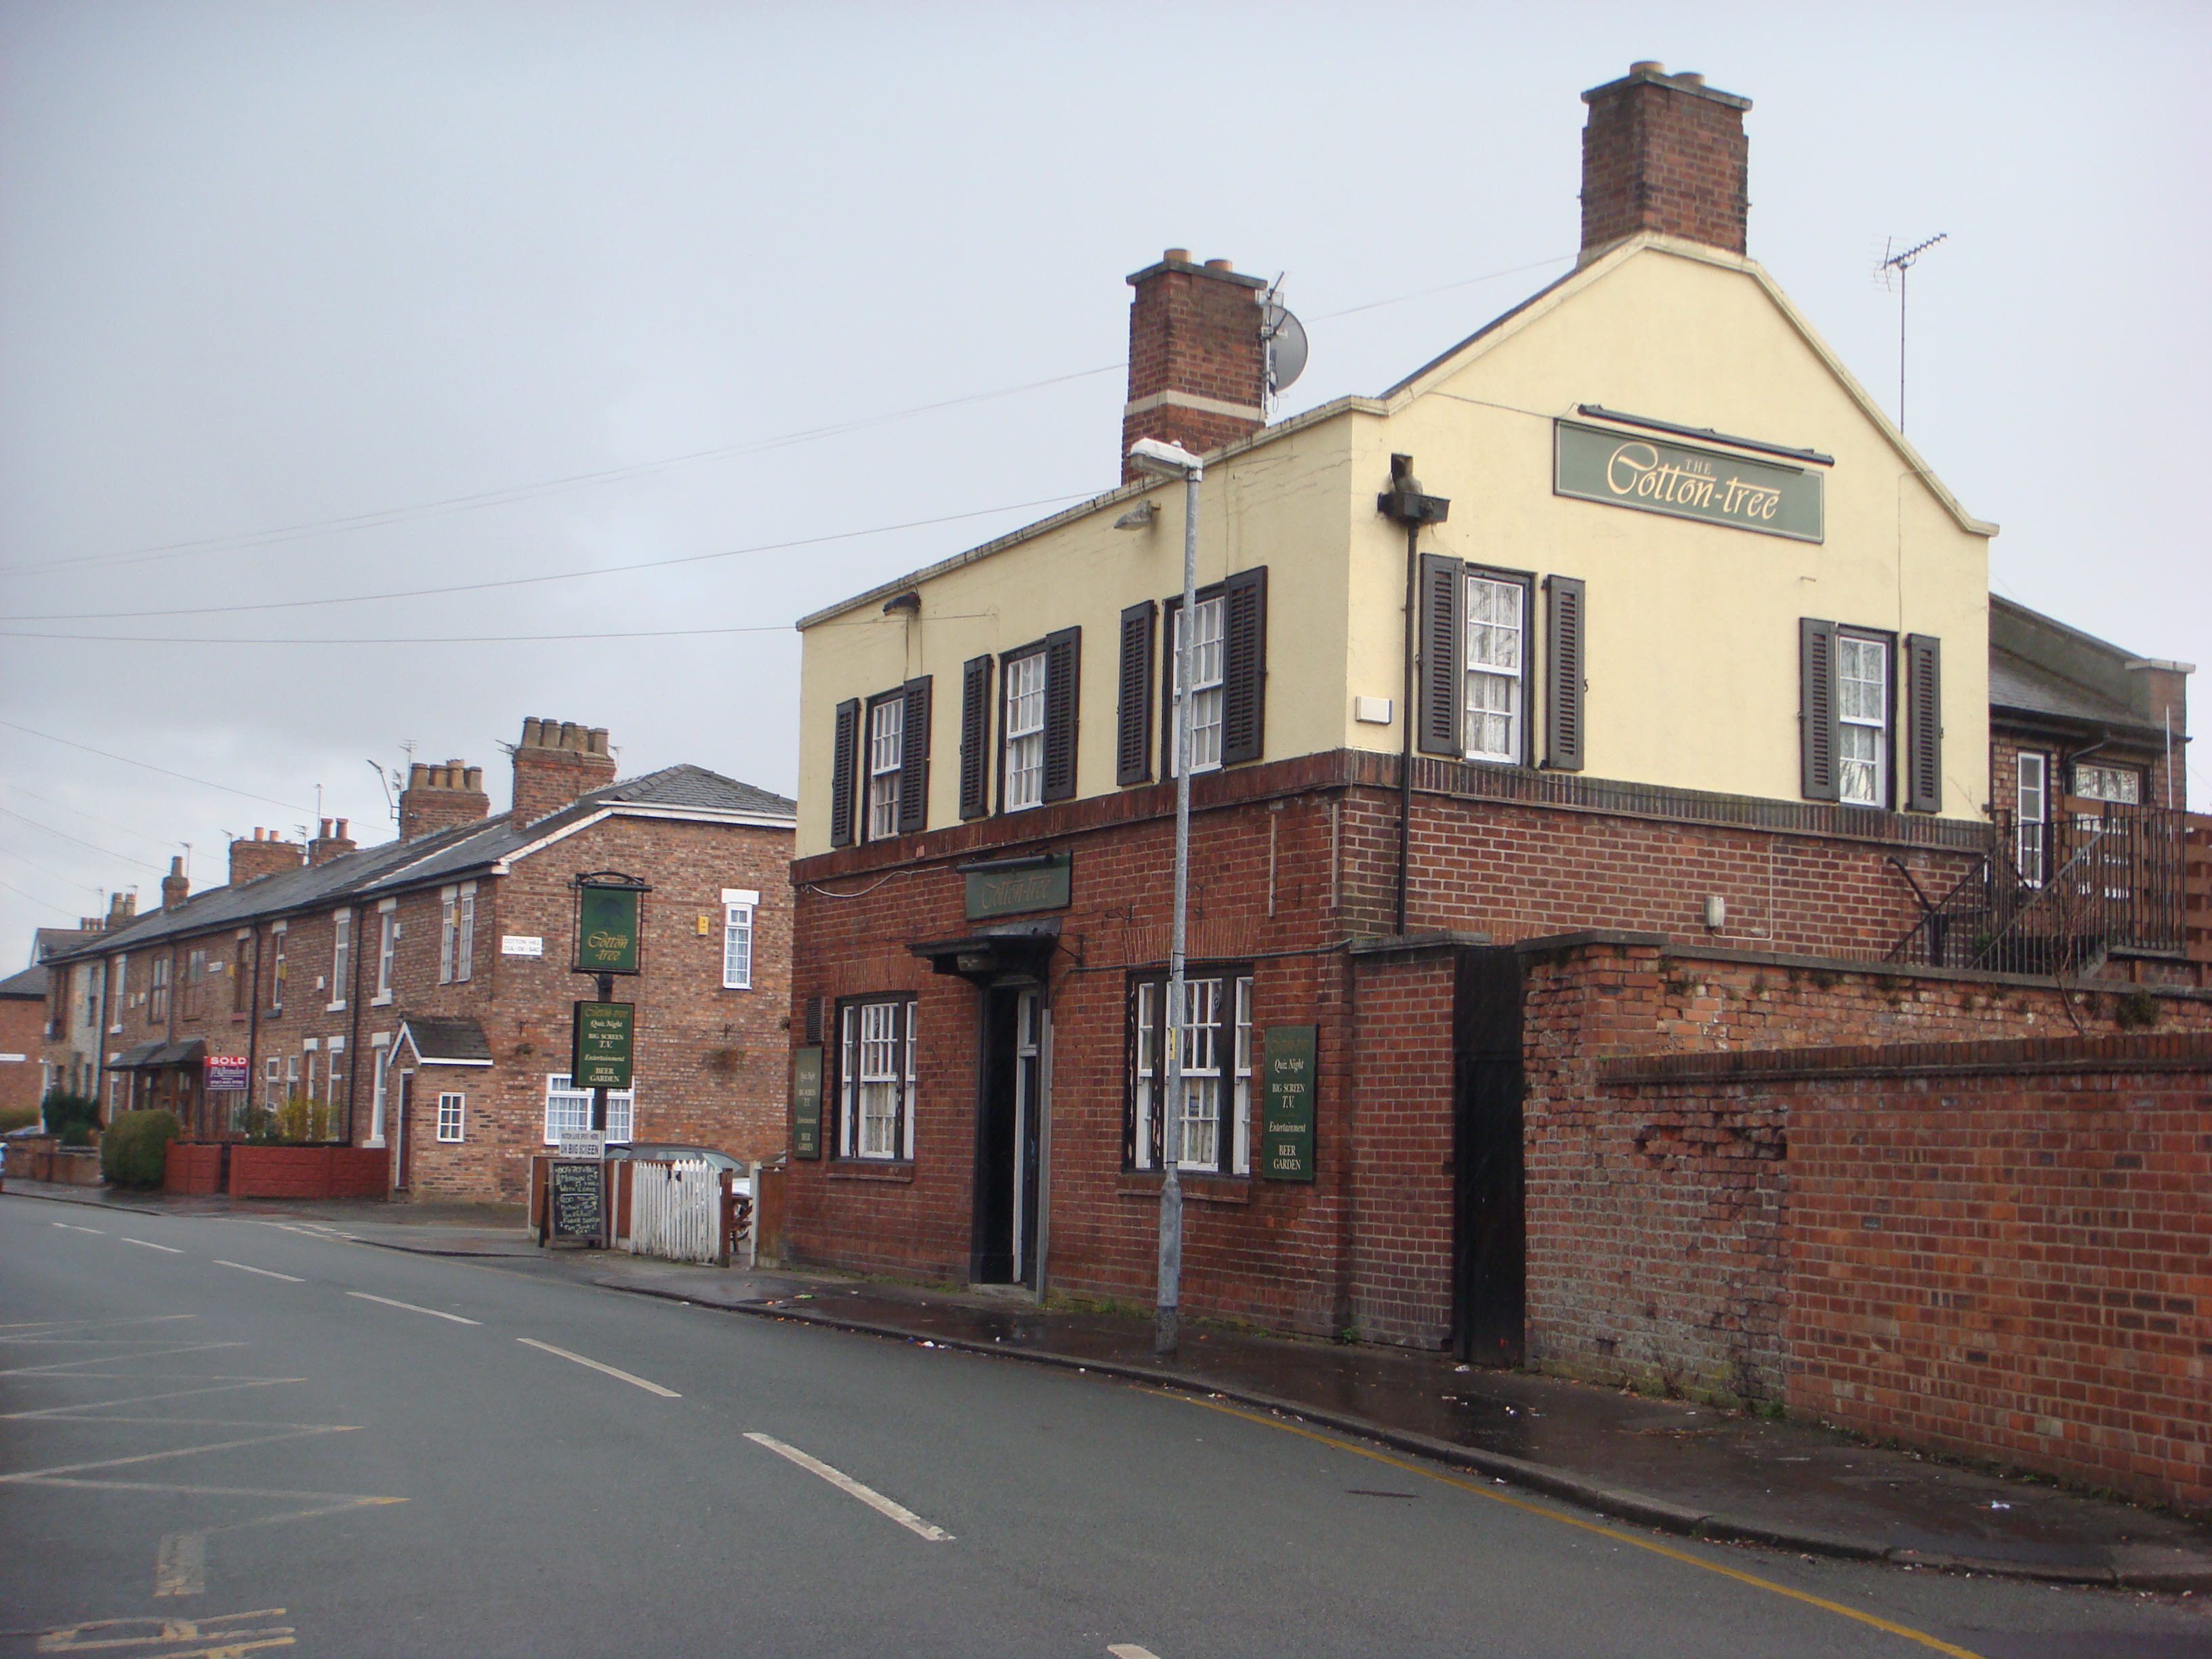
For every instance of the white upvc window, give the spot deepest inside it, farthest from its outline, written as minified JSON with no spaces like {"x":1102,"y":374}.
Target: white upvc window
{"x":1024,"y":762}
{"x":1496,"y":656}
{"x":118,"y":995}
{"x":2031,"y":815}
{"x":739,"y":904}
{"x":341,"y":956}
{"x":571,"y":1110}
{"x":1862,"y":720}
{"x":886,"y":749}
{"x":277,"y":970}
{"x":1215,"y":1135}
{"x":452,"y":1108}
{"x":1208,"y":658}
{"x":464,"y":934}
{"x":387,"y":946}
{"x":876,"y":1079}
{"x":272,"y":1082}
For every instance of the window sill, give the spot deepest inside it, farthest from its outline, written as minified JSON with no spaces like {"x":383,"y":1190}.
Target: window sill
{"x":334,"y":1007}
{"x":1197,"y":1188}
{"x":239,"y":1019}
{"x":897,"y":1175}
{"x":382,"y":999}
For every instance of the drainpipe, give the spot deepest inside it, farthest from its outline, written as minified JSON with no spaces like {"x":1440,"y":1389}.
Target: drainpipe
{"x":1404,"y":503}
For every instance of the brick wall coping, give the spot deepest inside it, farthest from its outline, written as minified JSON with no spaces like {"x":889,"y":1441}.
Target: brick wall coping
{"x":1440,"y":938}
{"x":1037,"y":829}
{"x":2133,"y":1052}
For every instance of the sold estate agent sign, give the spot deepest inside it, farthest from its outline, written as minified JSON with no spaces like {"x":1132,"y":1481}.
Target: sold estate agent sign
{"x":606,"y":929}
{"x":1652,"y":475}
{"x":605,"y":1037}
{"x":1286,"y":1123}
{"x":226,"y":1073}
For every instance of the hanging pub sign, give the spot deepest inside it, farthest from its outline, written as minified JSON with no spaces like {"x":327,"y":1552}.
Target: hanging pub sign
{"x":1286,"y":1107}
{"x":609,"y":912}
{"x":806,"y":1103}
{"x":225,"y":1072}
{"x":1653,"y":474}
{"x":604,"y":1036}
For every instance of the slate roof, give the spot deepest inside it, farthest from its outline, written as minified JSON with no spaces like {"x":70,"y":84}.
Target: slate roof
{"x":31,"y":982}
{"x":434,"y":1040}
{"x":440,"y":854}
{"x":57,"y":941}
{"x":2017,"y":683}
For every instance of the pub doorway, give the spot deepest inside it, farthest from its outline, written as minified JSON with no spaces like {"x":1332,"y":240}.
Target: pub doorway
{"x":1489,"y":1220}
{"x":1007,"y":1236}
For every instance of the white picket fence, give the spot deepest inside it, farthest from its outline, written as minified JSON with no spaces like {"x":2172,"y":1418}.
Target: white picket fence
{"x":675,"y":1210}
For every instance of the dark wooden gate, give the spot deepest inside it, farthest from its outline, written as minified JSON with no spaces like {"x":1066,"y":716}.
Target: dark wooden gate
{"x":1489,"y":1232}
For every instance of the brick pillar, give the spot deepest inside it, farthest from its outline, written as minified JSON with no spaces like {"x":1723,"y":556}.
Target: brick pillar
{"x":438,"y":797}
{"x":555,"y":762}
{"x":1664,"y":153}
{"x":1197,"y":364}
{"x":251,"y":860}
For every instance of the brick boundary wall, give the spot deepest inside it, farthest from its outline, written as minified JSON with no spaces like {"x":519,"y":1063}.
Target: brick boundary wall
{"x":2000,"y":1249}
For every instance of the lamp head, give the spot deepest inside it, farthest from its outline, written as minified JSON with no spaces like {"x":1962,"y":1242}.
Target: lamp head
{"x":1166,"y":461}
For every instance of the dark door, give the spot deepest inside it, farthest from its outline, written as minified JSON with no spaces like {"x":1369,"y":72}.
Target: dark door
{"x":402,"y":1092}
{"x":1009,"y":1119}
{"x":1489,"y":1292}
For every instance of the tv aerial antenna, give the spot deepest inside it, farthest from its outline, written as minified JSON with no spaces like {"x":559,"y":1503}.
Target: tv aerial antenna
{"x":1284,"y":338}
{"x":1901,"y":263}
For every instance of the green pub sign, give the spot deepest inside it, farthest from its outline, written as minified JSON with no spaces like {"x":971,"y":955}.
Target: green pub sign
{"x":1651,"y":475}
{"x":605,"y":1035}
{"x":1013,"y":887}
{"x":1286,"y":1105}
{"x":607,"y":929}
{"x":806,"y":1103}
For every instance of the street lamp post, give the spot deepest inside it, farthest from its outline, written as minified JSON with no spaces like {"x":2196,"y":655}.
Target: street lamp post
{"x":1173,"y":461}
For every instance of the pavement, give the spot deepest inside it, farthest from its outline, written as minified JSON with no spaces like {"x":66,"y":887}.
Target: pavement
{"x":1685,"y":1469}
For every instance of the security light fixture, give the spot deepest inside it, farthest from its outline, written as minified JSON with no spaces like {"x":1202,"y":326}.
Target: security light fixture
{"x":1165,"y":460}
{"x":1139,"y":517}
{"x":908,"y":603}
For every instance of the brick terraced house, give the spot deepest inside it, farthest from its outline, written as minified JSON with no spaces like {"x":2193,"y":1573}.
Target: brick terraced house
{"x":1619,"y":687}
{"x":417,"y":995}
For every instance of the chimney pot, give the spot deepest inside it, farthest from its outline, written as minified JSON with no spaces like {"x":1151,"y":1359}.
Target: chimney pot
{"x":1650,"y":65}
{"x":530,"y":730}
{"x":342,"y":830}
{"x":598,"y":744}
{"x":475,"y":777}
{"x":1176,"y":256}
{"x":1221,"y":264}
{"x":326,"y":830}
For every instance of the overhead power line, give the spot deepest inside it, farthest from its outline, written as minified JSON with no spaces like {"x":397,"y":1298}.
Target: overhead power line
{"x":105,"y":823}
{"x":78,"y":841}
{"x":48,"y":870}
{"x":205,"y":783}
{"x":44,"y":904}
{"x":465,"y":639}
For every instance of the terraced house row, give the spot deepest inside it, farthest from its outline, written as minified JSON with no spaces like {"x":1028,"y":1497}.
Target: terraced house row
{"x":415,"y":997}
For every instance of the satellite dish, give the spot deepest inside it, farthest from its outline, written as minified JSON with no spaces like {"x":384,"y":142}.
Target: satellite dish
{"x":1286,"y":346}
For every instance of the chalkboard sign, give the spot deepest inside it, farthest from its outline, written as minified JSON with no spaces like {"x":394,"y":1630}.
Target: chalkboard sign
{"x":577,"y":1204}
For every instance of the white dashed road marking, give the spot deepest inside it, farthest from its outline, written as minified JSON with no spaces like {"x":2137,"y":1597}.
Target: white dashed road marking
{"x":634,"y":1381}
{"x":263,"y":1272}
{"x":1131,"y":1650}
{"x":411,"y":1308}
{"x":72,"y":1227}
{"x":845,"y":1483}
{"x":146,"y":1244}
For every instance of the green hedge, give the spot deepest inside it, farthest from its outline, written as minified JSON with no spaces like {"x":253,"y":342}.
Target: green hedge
{"x":71,"y":1116}
{"x":135,"y":1151}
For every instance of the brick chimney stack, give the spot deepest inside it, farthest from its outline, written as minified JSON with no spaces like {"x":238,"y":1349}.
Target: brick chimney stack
{"x":176,"y":886}
{"x":1197,"y":365}
{"x":326,"y":846}
{"x":121,"y":908}
{"x":439,"y":797}
{"x":1664,"y":153}
{"x":555,"y":762}
{"x":250,"y":860}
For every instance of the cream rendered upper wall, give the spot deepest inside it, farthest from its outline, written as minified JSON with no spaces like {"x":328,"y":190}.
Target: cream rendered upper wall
{"x":1692,"y":640}
{"x":1284,"y":504}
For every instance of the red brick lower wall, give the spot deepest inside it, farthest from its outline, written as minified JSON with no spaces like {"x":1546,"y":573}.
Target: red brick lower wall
{"x":192,"y":1167}
{"x":308,"y":1171}
{"x":1401,"y":1238}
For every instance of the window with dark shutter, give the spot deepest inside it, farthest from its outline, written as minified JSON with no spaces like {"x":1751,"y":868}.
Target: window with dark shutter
{"x":1244,"y":673}
{"x":1923,"y":758}
{"x":975,"y":737}
{"x":840,"y":772}
{"x":1133,"y":722}
{"x":914,"y":759}
{"x":1563,"y":674}
{"x":1439,"y":729}
{"x":1816,"y":708}
{"x":1063,"y":661}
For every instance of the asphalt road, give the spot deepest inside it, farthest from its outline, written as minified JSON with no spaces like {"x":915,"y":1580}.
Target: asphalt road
{"x":225,"y":1435}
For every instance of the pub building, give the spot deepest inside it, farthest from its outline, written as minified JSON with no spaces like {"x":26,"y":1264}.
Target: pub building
{"x":1625,"y":645}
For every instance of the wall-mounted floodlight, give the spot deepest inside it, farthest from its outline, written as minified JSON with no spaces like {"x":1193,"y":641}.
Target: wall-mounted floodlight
{"x":1164,"y":460}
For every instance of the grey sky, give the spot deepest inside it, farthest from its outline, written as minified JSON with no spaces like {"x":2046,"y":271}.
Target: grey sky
{"x":270,"y":266}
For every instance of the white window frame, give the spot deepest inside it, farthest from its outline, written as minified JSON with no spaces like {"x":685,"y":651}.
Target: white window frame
{"x":1494,"y":651}
{"x":1863,"y":779}
{"x":452,"y":1117}
{"x":118,"y":995}
{"x":876,"y":1053}
{"x":1209,"y":1062}
{"x":277,"y":970}
{"x":886,"y":758}
{"x":739,"y":906}
{"x":2031,"y":814}
{"x":341,"y":956}
{"x":381,"y":1055}
{"x":562,"y":1108}
{"x":1022,"y":745}
{"x":387,"y":949}
{"x":465,"y":938}
{"x":272,"y":1079}
{"x":1209,"y":676}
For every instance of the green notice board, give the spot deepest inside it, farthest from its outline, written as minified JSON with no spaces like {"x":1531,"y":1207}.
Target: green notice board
{"x":806,"y":1103}
{"x":1286,"y":1107}
{"x":605,"y":1035}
